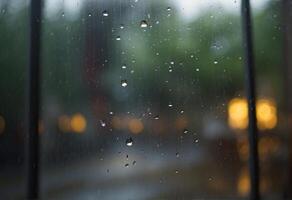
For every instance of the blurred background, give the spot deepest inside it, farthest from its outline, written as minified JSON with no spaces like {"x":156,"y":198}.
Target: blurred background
{"x":145,"y":99}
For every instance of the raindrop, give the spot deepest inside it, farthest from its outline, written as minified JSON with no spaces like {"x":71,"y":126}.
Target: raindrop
{"x":185,"y":131}
{"x":122,"y":26}
{"x":168,"y":8}
{"x":124,"y":83}
{"x":134,"y":162}
{"x":197,"y":69}
{"x":177,"y":154}
{"x":105,"y":13}
{"x":156,"y":117}
{"x":182,"y":112}
{"x":124,"y":66}
{"x":170,"y":105}
{"x":127,"y":165}
{"x":172,"y":62}
{"x":176,"y":171}
{"x":215,"y":62}
{"x":129,"y":142}
{"x":118,"y":38}
{"x":111,"y":112}
{"x":102,"y":123}
{"x":89,"y":15}
{"x":196,"y":140}
{"x":143,"y":24}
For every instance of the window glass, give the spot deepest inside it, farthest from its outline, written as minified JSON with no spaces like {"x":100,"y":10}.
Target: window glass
{"x":146,"y":99}
{"x":272,"y":106}
{"x":136,"y":97}
{"x":13,"y":62}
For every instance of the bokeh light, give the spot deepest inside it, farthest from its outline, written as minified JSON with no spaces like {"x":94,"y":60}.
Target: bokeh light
{"x":78,"y":123}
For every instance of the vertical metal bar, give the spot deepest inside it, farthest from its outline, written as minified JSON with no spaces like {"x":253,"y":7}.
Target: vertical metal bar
{"x":33,"y":99}
{"x":250,"y":91}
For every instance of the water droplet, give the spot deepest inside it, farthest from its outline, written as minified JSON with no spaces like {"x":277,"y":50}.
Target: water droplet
{"x":107,"y":170}
{"x":89,"y":14}
{"x":102,"y":123}
{"x":143,"y":24}
{"x":134,"y":162}
{"x":168,"y":8}
{"x":124,"y":83}
{"x":156,"y":117}
{"x":172,"y":62}
{"x":129,"y":142}
{"x":196,"y":140}
{"x":111,"y":112}
{"x":118,"y":38}
{"x":105,"y":13}
{"x":176,"y":171}
{"x":182,"y":112}
{"x":170,"y":105}
{"x":124,"y":66}
{"x":215,"y":62}
{"x":177,"y":154}
{"x":122,"y":26}
{"x":127,"y":165}
{"x":197,"y":69}
{"x":185,"y":131}
{"x":63,"y":14}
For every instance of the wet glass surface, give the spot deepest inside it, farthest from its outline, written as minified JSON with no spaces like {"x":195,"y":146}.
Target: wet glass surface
{"x":146,"y":100}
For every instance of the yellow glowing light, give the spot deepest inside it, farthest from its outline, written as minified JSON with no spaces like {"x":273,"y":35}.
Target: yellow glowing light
{"x":266,"y":113}
{"x":243,"y":184}
{"x":2,"y":124}
{"x":135,"y":126}
{"x":78,"y":123}
{"x":238,"y":113}
{"x":64,"y":123}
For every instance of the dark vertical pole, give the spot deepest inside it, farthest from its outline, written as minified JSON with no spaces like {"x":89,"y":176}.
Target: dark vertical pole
{"x":33,"y":102}
{"x":250,"y":91}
